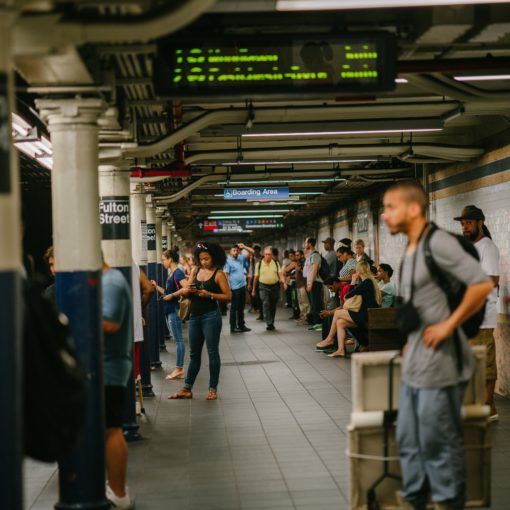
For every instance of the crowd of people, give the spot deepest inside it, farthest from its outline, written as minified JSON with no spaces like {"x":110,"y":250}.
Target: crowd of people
{"x":331,"y":293}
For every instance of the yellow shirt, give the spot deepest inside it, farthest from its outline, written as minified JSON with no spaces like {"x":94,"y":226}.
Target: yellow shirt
{"x":268,"y":273}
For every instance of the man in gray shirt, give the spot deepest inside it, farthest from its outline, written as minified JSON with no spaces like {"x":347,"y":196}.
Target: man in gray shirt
{"x":429,"y":427}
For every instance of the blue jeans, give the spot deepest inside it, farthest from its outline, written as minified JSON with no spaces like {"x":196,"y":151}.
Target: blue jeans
{"x":204,"y":328}
{"x":431,"y":442}
{"x":175,"y":327}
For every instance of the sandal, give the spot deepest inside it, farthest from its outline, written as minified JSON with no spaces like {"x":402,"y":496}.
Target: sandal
{"x":175,"y":375}
{"x":181,"y":394}
{"x":212,"y":395}
{"x":336,"y":355}
{"x":323,"y":345}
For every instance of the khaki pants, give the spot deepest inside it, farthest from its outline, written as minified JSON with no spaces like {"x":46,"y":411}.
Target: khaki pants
{"x":304,"y":304}
{"x":486,"y":337}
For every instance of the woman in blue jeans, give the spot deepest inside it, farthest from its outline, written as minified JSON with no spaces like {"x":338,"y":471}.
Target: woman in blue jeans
{"x":208,"y":284}
{"x":175,"y":281}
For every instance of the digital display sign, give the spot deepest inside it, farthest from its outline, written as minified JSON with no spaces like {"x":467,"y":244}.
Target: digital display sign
{"x":222,"y":226}
{"x":277,"y":65}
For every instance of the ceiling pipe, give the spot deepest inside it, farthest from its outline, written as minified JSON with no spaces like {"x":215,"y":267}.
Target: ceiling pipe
{"x":278,"y":115}
{"x":457,"y":153}
{"x":49,"y":32}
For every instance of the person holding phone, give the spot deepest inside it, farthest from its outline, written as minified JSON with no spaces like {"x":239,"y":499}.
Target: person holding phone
{"x":208,"y":285}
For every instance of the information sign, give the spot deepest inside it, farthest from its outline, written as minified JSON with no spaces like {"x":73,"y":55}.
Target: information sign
{"x":278,"y":193}
{"x":277,"y":65}
{"x":114,"y":217}
{"x":222,"y":226}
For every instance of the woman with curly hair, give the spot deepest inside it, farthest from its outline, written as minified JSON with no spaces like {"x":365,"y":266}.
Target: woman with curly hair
{"x":208,"y":284}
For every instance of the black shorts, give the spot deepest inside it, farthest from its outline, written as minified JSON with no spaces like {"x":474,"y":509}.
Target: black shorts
{"x":114,"y":397}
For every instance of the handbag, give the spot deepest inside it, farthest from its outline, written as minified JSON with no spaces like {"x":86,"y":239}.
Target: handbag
{"x":353,"y":304}
{"x":184,"y":308}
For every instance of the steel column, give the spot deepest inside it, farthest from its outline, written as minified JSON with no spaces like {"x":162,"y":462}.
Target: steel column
{"x":139,"y":247}
{"x":114,"y":217}
{"x":160,"y":278}
{"x":152,"y":273}
{"x":10,"y":286}
{"x":77,"y":238}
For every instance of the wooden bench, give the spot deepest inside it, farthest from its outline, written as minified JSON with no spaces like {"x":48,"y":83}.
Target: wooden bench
{"x":381,"y":333}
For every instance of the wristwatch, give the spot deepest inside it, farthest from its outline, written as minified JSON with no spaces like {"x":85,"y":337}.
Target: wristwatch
{"x":211,"y":295}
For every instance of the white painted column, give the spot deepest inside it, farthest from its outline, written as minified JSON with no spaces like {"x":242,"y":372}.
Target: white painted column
{"x":139,"y":250}
{"x":77,"y":244}
{"x":10,"y":285}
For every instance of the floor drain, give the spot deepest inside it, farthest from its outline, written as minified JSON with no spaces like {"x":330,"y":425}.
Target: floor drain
{"x":244,"y":363}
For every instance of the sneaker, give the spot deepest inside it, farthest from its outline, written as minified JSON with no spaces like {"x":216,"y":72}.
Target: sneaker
{"x":270,"y":327}
{"x":236,"y":330}
{"x":244,"y":329}
{"x":259,"y":318}
{"x":494,"y":417}
{"x":317,"y":327}
{"x":122,"y":503}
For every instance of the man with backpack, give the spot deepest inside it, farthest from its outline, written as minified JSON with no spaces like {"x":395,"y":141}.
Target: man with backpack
{"x":267,"y":279}
{"x":473,"y":228}
{"x":316,"y":270}
{"x":437,"y":362}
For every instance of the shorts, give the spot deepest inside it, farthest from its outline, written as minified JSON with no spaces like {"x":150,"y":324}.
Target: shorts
{"x":114,"y":397}
{"x":486,"y":337}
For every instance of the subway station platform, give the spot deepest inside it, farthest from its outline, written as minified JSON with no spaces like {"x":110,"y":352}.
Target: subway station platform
{"x":275,"y":438}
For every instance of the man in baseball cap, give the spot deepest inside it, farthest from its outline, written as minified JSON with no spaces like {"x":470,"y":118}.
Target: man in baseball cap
{"x":473,"y":228}
{"x":471,"y":212}
{"x":329,"y":246}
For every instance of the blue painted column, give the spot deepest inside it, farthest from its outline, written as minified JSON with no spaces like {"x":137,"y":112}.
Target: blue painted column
{"x":139,"y":250}
{"x":164,"y":247}
{"x":152,"y":273}
{"x":77,"y":244}
{"x":10,"y":288}
{"x":114,"y":217}
{"x":160,"y":279}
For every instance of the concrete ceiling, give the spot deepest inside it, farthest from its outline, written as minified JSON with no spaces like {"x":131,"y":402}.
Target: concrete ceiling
{"x":156,"y":134}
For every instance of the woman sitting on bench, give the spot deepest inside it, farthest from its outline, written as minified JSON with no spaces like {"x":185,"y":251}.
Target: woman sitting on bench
{"x":369,"y":290}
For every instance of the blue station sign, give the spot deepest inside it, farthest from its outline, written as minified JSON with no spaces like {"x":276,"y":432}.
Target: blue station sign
{"x":264,"y":193}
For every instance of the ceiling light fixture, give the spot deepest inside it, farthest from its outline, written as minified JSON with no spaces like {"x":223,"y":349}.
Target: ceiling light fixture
{"x":401,"y":80}
{"x":453,"y":114}
{"x":361,"y":127}
{"x":320,"y":5}
{"x":244,"y":217}
{"x":257,"y":211}
{"x":300,"y":161}
{"x":489,"y":77}
{"x":272,"y":181}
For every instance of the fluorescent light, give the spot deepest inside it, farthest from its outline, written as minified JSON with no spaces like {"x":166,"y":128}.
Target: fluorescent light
{"x":306,"y":193}
{"x":20,"y":125}
{"x":320,"y":5}
{"x":489,"y":77}
{"x":326,"y":133}
{"x":245,"y":217}
{"x":258,"y":211}
{"x":318,"y":179}
{"x":299,"y":162}
{"x":401,"y":80}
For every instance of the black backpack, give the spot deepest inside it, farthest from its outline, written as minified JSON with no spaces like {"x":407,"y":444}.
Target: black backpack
{"x":54,"y":384}
{"x":323,"y":271}
{"x":453,"y":288}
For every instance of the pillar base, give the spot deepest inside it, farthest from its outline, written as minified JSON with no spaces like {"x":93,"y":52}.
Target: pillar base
{"x":147,"y":390}
{"x":94,"y":505}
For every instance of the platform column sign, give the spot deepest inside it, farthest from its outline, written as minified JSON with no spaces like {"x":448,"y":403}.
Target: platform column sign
{"x":5,"y":128}
{"x":114,"y":217}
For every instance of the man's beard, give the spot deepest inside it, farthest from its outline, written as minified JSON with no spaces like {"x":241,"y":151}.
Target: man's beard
{"x":472,"y":236}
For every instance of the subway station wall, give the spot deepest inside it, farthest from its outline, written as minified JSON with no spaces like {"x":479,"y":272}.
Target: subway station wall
{"x":484,"y":183}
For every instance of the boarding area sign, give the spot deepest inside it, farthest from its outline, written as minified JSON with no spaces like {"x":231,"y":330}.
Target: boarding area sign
{"x":264,"y":193}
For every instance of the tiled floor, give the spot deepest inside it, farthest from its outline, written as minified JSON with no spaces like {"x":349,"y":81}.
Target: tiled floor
{"x":275,"y":439}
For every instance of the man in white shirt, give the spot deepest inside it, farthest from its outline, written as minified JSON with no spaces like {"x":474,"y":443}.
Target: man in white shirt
{"x":473,"y":228}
